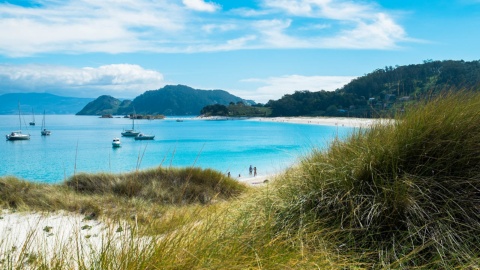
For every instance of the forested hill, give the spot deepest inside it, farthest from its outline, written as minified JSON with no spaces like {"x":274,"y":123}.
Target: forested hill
{"x":180,"y":100}
{"x":383,"y":91}
{"x":169,"y":100}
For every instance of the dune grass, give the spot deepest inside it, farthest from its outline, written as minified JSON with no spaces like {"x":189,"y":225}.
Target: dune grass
{"x":403,"y":194}
{"x":140,"y":195}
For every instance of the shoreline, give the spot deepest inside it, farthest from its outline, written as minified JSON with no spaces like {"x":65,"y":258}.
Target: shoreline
{"x":325,"y":121}
{"x":257,"y":180}
{"x":310,"y":120}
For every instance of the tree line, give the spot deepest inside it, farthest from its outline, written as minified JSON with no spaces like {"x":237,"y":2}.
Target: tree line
{"x":383,"y":92}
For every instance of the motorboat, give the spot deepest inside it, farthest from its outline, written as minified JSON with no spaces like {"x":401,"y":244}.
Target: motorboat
{"x":142,"y":136}
{"x":116,"y":142}
{"x":17,"y":136}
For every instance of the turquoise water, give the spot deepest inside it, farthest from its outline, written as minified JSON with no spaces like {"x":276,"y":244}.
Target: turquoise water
{"x":83,"y":144}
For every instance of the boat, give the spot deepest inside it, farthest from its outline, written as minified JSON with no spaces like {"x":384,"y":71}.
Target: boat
{"x":116,"y":142}
{"x":44,"y":131}
{"x":18,"y":135}
{"x":33,"y":119}
{"x":131,"y":132}
{"x":142,"y":136}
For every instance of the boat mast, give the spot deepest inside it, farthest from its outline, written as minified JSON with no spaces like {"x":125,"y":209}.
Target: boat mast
{"x":19,"y":117}
{"x":133,"y":123}
{"x":43,"y":120}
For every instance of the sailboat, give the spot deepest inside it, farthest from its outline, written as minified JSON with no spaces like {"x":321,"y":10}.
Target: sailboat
{"x":33,"y":119}
{"x":18,"y":135}
{"x":44,"y":131}
{"x":131,"y":132}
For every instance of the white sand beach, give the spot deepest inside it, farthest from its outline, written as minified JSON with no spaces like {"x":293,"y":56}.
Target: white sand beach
{"x":51,"y":234}
{"x":319,"y":120}
{"x":257,"y":180}
{"x":327,"y":121}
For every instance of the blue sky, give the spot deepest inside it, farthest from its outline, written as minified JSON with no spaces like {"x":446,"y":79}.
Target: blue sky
{"x":256,"y":49}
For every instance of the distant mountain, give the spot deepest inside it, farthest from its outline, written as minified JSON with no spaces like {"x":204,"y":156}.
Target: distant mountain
{"x":169,"y":100}
{"x":104,"y":105}
{"x":52,"y":104}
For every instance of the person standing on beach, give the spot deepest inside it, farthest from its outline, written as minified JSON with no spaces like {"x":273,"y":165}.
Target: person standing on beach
{"x":250,"y":170}
{"x":254,"y":171}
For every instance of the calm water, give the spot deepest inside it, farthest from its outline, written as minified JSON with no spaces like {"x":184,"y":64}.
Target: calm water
{"x":83,"y":144}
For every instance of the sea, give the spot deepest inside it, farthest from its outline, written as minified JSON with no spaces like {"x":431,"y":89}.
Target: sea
{"x":84,"y":144}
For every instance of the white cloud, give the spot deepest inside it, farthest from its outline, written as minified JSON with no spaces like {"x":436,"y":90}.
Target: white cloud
{"x":112,"y":26}
{"x":273,"y":32}
{"x":330,"y":9}
{"x":381,"y":33}
{"x":87,"y":26}
{"x":118,"y":80}
{"x":275,"y":87}
{"x":200,"y":5}
{"x":210,"y":28}
{"x":361,"y":26}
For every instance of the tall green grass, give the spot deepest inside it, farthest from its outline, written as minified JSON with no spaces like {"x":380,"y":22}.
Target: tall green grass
{"x":402,"y":194}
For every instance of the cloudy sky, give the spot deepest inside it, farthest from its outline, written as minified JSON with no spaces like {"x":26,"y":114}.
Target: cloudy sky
{"x":256,"y":49}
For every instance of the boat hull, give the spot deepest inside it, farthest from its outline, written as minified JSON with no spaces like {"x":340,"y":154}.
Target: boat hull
{"x":116,"y":143}
{"x":18,"y":137}
{"x":130,"y":133}
{"x":141,"y":137}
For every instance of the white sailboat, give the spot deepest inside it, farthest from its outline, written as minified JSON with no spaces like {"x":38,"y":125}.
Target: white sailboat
{"x":44,"y":131}
{"x":131,"y":132}
{"x":18,"y":135}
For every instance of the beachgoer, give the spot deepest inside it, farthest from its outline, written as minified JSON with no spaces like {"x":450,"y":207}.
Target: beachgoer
{"x":228,"y":174}
{"x":250,"y":170}
{"x":239,"y":175}
{"x":254,"y":171}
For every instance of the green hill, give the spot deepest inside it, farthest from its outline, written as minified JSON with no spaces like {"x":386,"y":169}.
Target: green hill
{"x":384,"y":91}
{"x":169,"y":100}
{"x":103,"y":105}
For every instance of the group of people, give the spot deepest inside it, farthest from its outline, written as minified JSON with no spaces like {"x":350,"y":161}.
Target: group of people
{"x":251,"y":170}
{"x":254,"y":170}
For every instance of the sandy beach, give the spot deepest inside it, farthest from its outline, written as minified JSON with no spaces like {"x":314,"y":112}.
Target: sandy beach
{"x":319,"y":120}
{"x":327,"y":121}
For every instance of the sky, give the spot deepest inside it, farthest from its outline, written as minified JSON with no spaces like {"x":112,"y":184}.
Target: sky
{"x":255,"y":49}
